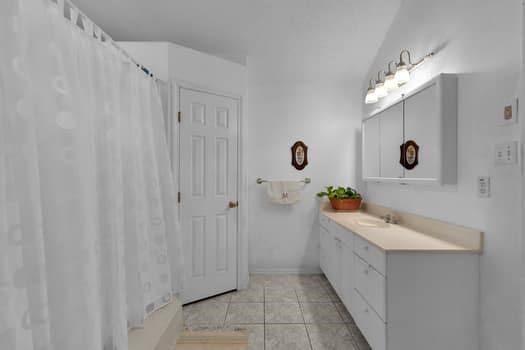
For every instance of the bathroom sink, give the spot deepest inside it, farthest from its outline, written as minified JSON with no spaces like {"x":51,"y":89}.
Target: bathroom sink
{"x":372,"y":223}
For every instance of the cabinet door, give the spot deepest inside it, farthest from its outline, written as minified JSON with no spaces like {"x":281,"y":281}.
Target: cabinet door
{"x":422,"y":125}
{"x":371,"y":143}
{"x":338,"y":264}
{"x":372,"y":327}
{"x":322,"y":248}
{"x":391,"y":136}
{"x":330,"y":260}
{"x":347,"y":278}
{"x":325,"y":252}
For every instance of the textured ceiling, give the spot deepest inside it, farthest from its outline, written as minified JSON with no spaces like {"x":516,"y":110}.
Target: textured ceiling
{"x":332,"y":38}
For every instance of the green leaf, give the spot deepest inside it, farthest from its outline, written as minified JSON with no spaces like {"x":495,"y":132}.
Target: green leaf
{"x":340,"y":193}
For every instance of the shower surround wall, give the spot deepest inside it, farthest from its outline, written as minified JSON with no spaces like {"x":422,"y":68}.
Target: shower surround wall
{"x":480,"y":41}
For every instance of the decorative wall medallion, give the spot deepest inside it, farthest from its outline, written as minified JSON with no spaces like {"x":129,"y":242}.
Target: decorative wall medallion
{"x":299,"y":155}
{"x":409,"y":155}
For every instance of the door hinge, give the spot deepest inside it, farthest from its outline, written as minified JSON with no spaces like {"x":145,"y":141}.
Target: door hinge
{"x":178,"y":197}
{"x":179,"y":117}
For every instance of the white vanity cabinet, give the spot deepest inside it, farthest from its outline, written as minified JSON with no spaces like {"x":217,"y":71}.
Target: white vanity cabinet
{"x":390,"y":140}
{"x":337,"y":263}
{"x":427,"y":116}
{"x":403,"y":299}
{"x":347,"y":274}
{"x":421,"y":122}
{"x":327,"y":251}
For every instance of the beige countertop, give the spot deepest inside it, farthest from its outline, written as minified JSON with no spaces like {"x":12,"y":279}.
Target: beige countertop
{"x":424,"y":237}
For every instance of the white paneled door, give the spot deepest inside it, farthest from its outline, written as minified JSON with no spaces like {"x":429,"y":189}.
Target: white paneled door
{"x":208,"y":173}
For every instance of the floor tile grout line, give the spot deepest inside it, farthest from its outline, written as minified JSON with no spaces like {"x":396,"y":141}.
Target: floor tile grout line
{"x":296,"y":287}
{"x":300,"y":307}
{"x":347,"y":325}
{"x":308,"y":335}
{"x":264,"y":317}
{"x":304,"y":320}
{"x":226,"y":316}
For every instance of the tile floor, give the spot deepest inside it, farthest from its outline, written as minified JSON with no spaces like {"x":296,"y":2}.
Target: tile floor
{"x":281,"y":312}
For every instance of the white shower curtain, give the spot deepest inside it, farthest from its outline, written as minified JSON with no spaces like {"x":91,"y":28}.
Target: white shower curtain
{"x":87,"y":201}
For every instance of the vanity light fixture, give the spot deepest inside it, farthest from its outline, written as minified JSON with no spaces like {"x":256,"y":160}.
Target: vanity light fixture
{"x":371,"y":96}
{"x":380,"y":85}
{"x":402,"y":72}
{"x":392,"y":80}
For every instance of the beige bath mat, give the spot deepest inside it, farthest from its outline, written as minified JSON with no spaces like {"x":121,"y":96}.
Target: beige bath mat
{"x":213,"y":340}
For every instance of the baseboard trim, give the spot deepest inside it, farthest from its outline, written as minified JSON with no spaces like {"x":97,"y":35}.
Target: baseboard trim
{"x":299,"y":271}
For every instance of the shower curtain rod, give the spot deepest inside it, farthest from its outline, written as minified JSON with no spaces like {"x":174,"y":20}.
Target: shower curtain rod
{"x":98,"y":33}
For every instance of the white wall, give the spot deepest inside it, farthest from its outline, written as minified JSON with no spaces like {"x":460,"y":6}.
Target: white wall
{"x":170,"y":61}
{"x":153,"y":55}
{"x":479,"y":40}
{"x":326,"y":116}
{"x":205,"y":70}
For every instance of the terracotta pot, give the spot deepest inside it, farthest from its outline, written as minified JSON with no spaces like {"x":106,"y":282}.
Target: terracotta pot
{"x":345,"y":204}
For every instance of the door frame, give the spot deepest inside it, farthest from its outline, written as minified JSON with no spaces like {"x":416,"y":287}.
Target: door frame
{"x":521,"y":118}
{"x":242,"y":185}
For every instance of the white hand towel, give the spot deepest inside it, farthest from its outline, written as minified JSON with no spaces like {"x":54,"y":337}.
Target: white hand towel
{"x":285,"y":192}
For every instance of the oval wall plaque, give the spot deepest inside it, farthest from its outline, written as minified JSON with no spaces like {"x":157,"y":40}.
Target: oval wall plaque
{"x":409,"y":155}
{"x":299,"y":155}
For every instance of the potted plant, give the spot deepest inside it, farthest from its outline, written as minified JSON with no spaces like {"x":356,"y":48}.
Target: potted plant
{"x":342,"y":198}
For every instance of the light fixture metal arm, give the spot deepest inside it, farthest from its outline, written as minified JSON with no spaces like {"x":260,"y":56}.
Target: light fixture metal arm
{"x":425,"y":58}
{"x":401,"y":57}
{"x":379,"y":75}
{"x":390,"y":71}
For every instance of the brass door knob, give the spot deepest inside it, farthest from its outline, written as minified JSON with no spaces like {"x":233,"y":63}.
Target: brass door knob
{"x":232,"y":205}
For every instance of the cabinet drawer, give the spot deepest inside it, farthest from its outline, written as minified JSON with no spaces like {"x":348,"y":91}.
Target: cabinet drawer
{"x":371,"y":254}
{"x":371,"y":285}
{"x":346,"y":236}
{"x":370,"y":324}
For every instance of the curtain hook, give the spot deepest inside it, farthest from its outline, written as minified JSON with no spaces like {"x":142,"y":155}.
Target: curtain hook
{"x":88,"y":26}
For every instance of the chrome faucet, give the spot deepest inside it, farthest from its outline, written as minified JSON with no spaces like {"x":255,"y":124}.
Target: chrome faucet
{"x":390,"y":218}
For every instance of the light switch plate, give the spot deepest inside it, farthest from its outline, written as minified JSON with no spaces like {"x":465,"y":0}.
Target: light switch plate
{"x":506,"y":153}
{"x":483,"y":186}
